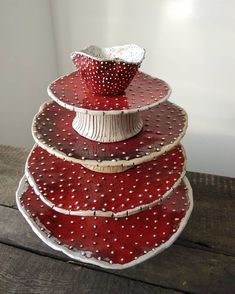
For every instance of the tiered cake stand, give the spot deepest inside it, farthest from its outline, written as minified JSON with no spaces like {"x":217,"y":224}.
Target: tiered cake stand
{"x":105,"y":182}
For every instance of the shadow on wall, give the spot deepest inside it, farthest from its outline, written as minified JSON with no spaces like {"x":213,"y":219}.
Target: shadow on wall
{"x":210,"y":153}
{"x":76,"y":25}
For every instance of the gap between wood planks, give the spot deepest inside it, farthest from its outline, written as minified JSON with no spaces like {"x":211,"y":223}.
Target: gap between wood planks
{"x":25,"y":271}
{"x":63,"y":258}
{"x":180,"y":241}
{"x":91,"y":268}
{"x":200,"y":246}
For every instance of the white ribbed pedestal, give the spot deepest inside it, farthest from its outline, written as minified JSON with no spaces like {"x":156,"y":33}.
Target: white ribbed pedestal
{"x":108,"y":128}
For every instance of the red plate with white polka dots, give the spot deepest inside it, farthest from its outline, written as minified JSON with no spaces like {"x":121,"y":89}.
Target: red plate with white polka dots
{"x":105,"y":77}
{"x":109,"y":242}
{"x":72,"y":189}
{"x":164,"y":126}
{"x":144,"y":92}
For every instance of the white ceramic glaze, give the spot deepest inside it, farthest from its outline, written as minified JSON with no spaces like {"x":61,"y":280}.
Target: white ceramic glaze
{"x":107,"y":169}
{"x":129,"y":53}
{"x":108,"y":128}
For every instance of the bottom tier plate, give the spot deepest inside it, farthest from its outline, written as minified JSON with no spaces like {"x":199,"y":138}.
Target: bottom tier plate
{"x":108,"y":242}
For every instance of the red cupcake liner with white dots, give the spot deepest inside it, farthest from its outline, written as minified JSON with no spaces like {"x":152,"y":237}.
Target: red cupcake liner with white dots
{"x":105,"y":77}
{"x":70,"y":188}
{"x":108,"y":71}
{"x":144,"y":92}
{"x":108,"y":242}
{"x":164,"y":127}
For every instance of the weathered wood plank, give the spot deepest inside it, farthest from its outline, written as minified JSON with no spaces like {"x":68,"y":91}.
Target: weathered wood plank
{"x":212,"y":221}
{"x":182,"y":268}
{"x":25,"y":272}
{"x":12,"y":162}
{"x":213,"y":218}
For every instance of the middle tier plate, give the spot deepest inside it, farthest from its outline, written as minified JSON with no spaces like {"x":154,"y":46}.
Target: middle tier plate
{"x":70,"y":188}
{"x":164,"y":127}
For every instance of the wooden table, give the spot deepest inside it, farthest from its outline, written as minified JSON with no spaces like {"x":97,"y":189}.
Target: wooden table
{"x":202,"y":260}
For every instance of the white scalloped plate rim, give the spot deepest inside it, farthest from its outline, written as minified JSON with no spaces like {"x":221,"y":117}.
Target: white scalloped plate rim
{"x":101,"y":213}
{"x":108,"y":163}
{"x":104,"y":112}
{"x":76,"y":255}
{"x":107,"y":50}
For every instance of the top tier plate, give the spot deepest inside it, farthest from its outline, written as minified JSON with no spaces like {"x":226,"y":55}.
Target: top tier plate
{"x":144,"y":92}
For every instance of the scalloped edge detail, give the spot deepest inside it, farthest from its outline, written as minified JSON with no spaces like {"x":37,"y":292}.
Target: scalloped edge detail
{"x":101,"y":213}
{"x":77,"y":255}
{"x":107,"y":163}
{"x":104,"y":112}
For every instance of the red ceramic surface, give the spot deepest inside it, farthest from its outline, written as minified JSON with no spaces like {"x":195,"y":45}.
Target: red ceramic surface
{"x":109,"y":242}
{"x":143,"y":92}
{"x":163,"y":127}
{"x":71,"y":188}
{"x":105,"y":77}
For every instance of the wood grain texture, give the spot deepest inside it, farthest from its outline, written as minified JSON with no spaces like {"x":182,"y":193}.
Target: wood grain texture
{"x":25,"y":272}
{"x":12,"y":162}
{"x":179,"y":267}
{"x":212,"y":222}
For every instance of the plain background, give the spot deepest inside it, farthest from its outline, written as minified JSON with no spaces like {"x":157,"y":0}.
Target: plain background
{"x":189,"y":43}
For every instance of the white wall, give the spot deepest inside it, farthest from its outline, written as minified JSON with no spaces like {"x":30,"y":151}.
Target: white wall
{"x":27,"y":65}
{"x":190,"y":44}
